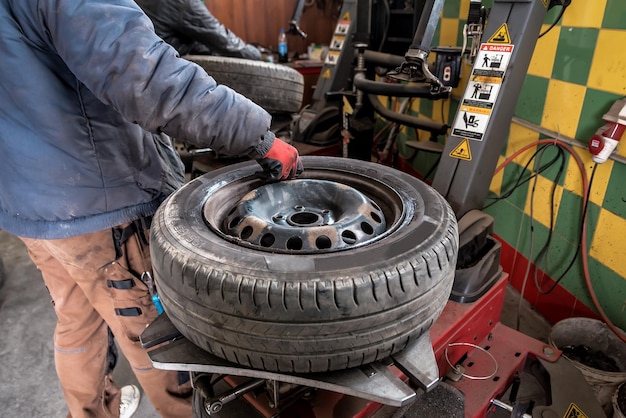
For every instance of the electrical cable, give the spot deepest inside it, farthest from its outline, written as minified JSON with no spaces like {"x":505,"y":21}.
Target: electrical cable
{"x":565,"y":5}
{"x":585,"y":259}
{"x":583,"y":240}
{"x":546,"y":245}
{"x":578,"y":247}
{"x":520,"y":179}
{"x":532,"y":241}
{"x":548,"y":142}
{"x":544,"y":250}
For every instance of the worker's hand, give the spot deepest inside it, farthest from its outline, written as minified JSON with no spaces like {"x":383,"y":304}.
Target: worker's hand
{"x":281,"y":162}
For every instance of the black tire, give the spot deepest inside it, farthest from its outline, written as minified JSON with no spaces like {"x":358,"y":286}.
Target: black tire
{"x":276,"y":88}
{"x":312,"y":312}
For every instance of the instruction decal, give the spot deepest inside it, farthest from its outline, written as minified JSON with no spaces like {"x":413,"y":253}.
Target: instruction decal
{"x":482,"y":90}
{"x":501,"y":36}
{"x":338,"y":40}
{"x":343,"y":25}
{"x":574,"y":412}
{"x":462,"y":151}
{"x":332,"y":57}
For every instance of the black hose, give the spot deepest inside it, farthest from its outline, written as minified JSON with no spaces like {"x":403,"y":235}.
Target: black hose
{"x":422,"y":90}
{"x":383,"y":59}
{"x":407,"y":120}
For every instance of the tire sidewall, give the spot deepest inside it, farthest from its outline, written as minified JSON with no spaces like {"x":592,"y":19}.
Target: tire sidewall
{"x":425,"y":212}
{"x":304,"y":312}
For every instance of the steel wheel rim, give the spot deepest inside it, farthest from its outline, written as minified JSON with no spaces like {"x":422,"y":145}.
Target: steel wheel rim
{"x":322,"y":212}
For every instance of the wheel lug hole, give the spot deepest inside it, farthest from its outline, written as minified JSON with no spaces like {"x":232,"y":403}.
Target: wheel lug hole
{"x":246,"y":232}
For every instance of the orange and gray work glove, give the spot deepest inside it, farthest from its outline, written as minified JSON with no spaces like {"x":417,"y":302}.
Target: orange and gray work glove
{"x":281,"y":161}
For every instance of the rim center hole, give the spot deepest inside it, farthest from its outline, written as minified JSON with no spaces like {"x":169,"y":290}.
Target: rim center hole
{"x":304,"y":219}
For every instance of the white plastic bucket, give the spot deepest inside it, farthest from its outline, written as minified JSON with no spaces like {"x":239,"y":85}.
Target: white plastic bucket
{"x":598,"y":337}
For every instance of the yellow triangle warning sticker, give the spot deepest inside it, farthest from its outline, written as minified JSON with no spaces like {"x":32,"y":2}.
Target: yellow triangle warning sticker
{"x":462,"y":151}
{"x":346,"y":16}
{"x":347,"y":107}
{"x":574,"y":412}
{"x":502,"y":35}
{"x":326,"y":73}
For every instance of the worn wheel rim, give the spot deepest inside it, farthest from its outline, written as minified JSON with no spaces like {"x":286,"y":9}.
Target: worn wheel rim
{"x":312,"y":214}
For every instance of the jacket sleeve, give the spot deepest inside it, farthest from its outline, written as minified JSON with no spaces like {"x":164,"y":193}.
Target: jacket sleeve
{"x":201,"y":26}
{"x":110,"y":46}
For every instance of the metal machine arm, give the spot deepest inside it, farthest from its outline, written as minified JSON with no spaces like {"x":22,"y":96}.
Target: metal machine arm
{"x":294,"y":23}
{"x":463,"y":178}
{"x":415,"y":67}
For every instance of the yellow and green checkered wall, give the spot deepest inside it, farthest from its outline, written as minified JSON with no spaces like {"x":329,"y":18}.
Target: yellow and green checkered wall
{"x":577,"y":71}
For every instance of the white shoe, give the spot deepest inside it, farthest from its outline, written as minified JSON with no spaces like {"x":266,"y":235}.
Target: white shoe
{"x":129,"y":400}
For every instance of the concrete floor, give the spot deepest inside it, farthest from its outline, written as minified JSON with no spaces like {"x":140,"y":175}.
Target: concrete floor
{"x":28,"y":383}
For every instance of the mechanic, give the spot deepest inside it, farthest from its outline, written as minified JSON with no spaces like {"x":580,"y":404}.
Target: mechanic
{"x":90,"y":97}
{"x":190,"y":27}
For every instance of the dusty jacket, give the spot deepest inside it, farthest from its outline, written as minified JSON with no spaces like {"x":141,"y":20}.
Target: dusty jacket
{"x":88,"y":94}
{"x":189,"y":27}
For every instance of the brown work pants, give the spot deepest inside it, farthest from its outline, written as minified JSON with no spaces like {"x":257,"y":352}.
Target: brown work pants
{"x":92,"y":290}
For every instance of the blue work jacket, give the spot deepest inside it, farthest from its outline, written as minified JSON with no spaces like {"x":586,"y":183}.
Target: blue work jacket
{"x":89,"y":99}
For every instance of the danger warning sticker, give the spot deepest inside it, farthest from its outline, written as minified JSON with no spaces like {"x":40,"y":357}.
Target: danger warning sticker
{"x":482,"y":91}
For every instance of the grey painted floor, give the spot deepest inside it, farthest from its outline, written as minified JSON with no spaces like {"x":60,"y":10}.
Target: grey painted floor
{"x":28,"y":383}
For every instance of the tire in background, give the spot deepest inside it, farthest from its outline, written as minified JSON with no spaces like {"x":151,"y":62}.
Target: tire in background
{"x":276,"y":88}
{"x":304,"y":312}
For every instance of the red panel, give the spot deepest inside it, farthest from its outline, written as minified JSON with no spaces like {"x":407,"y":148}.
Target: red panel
{"x":582,"y":310}
{"x":467,"y":322}
{"x":509,"y":349}
{"x":556,"y":305}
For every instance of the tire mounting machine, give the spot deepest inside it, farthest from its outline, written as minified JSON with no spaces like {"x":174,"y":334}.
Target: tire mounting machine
{"x":481,"y":362}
